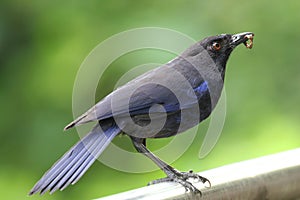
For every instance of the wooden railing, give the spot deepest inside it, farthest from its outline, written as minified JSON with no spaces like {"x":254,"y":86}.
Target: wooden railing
{"x":270,"y":177}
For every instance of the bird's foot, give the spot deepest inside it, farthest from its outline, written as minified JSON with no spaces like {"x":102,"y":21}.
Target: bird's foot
{"x":182,"y":178}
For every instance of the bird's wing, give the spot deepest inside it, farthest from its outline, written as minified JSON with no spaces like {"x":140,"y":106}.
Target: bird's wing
{"x":140,"y":105}
{"x":138,"y":96}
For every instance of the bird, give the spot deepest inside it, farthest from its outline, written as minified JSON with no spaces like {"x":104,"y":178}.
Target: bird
{"x":160,"y":103}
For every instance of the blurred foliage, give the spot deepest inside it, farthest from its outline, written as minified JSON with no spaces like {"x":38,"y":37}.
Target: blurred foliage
{"x":43,"y":43}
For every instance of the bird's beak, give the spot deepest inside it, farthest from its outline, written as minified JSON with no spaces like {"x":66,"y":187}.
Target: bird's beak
{"x":246,"y":38}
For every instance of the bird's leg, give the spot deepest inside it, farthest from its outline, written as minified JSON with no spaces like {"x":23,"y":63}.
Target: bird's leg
{"x":173,"y":175}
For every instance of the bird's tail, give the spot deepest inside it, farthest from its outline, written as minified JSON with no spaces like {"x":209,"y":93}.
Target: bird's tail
{"x":74,"y":163}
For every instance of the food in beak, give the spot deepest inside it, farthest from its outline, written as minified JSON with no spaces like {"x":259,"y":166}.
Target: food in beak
{"x":249,"y":42}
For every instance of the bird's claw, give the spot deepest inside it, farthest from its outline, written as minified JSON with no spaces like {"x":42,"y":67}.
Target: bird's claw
{"x":181,"y":178}
{"x":191,"y":174}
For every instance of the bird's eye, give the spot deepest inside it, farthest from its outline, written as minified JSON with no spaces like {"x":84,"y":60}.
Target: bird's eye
{"x":216,"y":46}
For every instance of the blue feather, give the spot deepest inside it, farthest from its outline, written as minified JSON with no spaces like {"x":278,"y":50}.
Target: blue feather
{"x":201,"y":89}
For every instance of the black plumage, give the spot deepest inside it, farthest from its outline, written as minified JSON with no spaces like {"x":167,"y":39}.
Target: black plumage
{"x":160,"y":103}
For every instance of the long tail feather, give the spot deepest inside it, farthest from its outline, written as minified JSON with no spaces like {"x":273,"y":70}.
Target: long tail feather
{"x":73,"y":164}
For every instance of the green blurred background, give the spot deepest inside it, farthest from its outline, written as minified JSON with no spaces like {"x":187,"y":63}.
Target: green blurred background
{"x":43,"y":44}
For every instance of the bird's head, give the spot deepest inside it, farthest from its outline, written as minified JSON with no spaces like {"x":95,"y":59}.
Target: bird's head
{"x":219,"y":47}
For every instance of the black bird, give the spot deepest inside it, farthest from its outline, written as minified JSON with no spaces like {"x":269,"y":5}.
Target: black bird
{"x":160,"y":103}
